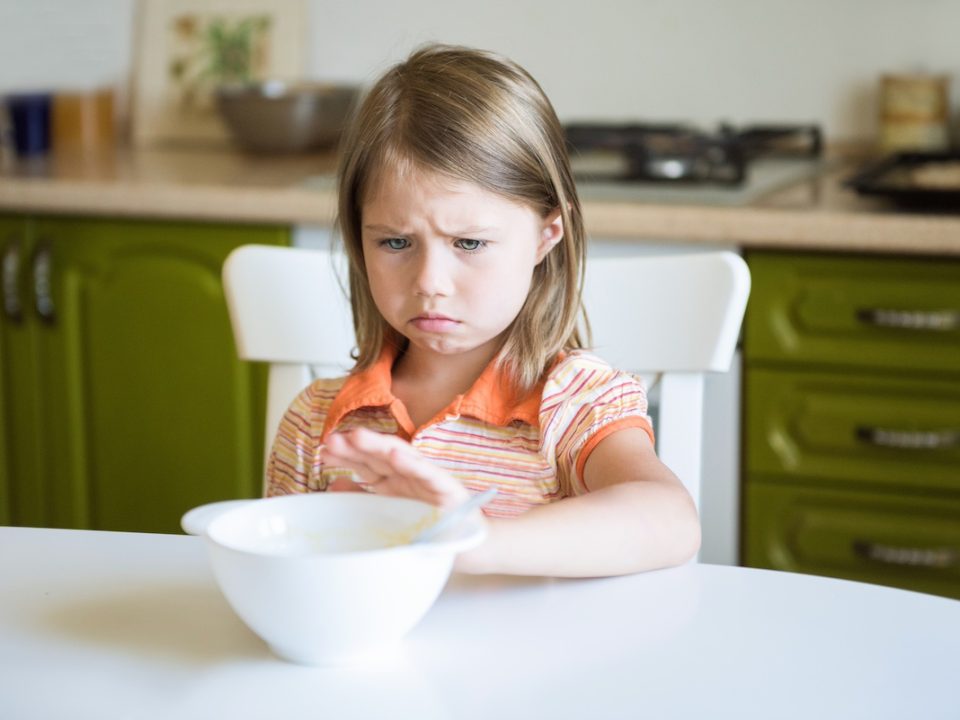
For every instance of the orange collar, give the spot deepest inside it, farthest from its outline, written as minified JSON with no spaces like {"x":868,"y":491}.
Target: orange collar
{"x":490,"y":398}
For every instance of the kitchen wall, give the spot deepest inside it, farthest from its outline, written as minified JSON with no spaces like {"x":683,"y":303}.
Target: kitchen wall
{"x":698,"y":60}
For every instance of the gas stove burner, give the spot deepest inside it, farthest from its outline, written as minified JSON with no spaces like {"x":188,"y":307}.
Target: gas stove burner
{"x":669,"y":153}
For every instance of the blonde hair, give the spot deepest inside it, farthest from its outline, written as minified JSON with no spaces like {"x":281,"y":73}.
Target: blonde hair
{"x":472,"y":116}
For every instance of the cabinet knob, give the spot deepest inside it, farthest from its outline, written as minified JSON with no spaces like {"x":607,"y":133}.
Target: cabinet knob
{"x":43,"y":283}
{"x":11,"y":281}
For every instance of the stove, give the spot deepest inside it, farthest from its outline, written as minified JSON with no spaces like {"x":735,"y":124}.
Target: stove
{"x":683,"y":163}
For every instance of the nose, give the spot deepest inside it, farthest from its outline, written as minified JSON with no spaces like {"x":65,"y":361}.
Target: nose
{"x":432,"y":273}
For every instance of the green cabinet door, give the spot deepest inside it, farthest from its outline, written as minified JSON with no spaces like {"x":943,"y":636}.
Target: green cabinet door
{"x":22,"y":469}
{"x":897,"y":539}
{"x":145,"y":409}
{"x":882,"y":314}
{"x":856,"y":429}
{"x":9,"y":232}
{"x":4,"y":453}
{"x":12,"y":241}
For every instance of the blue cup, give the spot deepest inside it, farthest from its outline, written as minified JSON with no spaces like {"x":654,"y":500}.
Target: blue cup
{"x":30,"y":121}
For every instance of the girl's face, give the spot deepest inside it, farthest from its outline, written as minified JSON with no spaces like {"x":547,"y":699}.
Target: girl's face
{"x":449,"y":263}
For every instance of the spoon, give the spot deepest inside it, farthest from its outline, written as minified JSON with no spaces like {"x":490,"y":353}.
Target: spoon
{"x":452,"y":517}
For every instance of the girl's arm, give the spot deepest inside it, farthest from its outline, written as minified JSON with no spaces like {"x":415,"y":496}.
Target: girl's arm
{"x":637,"y":515}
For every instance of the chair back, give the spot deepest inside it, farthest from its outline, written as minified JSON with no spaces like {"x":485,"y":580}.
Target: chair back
{"x":288,"y":307}
{"x":668,"y":318}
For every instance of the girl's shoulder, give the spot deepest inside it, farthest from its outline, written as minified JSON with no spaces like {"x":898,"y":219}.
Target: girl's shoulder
{"x":581,"y":375}
{"x":585,"y":397}
{"x":316,"y":399}
{"x":582,"y":363}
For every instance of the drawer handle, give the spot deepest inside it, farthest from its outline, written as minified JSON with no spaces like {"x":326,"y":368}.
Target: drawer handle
{"x":935,"y":320}
{"x":11,"y":282}
{"x":909,"y":439}
{"x":43,"y":283}
{"x":938,"y":558}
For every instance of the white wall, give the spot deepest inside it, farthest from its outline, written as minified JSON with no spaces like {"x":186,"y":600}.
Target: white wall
{"x":51,"y":44}
{"x":697,"y":60}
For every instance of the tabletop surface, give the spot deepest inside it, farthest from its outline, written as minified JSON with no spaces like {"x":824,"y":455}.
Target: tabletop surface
{"x":123,"y":625}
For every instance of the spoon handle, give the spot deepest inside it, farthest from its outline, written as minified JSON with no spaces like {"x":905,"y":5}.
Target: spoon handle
{"x":454,"y":516}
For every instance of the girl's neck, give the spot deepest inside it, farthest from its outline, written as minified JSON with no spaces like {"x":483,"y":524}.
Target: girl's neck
{"x":428,"y":369}
{"x":427,"y":382}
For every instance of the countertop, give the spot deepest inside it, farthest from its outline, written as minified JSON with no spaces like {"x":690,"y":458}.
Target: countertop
{"x":220,"y":185}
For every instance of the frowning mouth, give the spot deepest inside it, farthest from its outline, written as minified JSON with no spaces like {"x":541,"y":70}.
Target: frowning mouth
{"x":434,"y":322}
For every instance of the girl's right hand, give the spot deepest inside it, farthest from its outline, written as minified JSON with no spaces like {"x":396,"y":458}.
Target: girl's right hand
{"x":388,"y":465}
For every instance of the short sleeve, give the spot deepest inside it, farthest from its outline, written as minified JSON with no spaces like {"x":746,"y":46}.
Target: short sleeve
{"x":294,"y":465}
{"x":585,"y":400}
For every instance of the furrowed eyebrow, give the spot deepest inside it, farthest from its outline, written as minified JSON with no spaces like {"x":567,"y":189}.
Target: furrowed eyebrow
{"x":465,"y":232}
{"x":383,"y":229}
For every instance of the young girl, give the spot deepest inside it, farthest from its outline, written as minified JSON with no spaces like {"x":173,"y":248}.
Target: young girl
{"x":465,"y":240}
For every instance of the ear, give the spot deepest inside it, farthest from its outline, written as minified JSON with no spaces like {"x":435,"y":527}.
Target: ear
{"x":551,"y":233}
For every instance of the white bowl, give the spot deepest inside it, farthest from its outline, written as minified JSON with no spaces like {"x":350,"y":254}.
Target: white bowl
{"x":328,"y":578}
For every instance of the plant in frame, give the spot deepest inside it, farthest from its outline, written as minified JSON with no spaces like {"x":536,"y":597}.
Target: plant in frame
{"x":211,"y":51}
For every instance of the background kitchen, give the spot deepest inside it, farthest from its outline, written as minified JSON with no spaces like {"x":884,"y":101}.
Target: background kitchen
{"x":123,"y":403}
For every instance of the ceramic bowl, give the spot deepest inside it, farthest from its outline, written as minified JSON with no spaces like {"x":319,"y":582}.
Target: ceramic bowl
{"x":328,"y":578}
{"x":278,"y":117}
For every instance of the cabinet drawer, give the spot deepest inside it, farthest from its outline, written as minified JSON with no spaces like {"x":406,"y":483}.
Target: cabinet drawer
{"x":903,"y":541}
{"x":867,"y":431}
{"x":861,"y":312}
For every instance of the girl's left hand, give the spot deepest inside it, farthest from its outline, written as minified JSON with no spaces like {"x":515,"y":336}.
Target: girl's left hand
{"x":389,"y":466}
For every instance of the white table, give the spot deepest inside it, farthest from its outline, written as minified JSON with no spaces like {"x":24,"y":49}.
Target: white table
{"x":118,"y":625}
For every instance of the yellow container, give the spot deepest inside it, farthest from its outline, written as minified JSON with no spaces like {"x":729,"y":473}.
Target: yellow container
{"x":914,"y":112}
{"x":83,"y":122}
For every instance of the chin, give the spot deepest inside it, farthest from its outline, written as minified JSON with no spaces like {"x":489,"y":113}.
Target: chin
{"x":446,"y":345}
{"x":443,"y":347}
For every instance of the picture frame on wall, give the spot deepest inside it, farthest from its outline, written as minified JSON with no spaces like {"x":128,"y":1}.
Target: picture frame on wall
{"x":185,"y":49}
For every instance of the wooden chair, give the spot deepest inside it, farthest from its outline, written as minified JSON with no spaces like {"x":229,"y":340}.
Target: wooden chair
{"x":669,"y":318}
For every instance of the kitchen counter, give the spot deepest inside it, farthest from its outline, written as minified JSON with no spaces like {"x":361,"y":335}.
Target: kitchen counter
{"x":219,"y":185}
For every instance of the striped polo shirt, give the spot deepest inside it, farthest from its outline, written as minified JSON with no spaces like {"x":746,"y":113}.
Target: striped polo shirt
{"x":531,"y":448}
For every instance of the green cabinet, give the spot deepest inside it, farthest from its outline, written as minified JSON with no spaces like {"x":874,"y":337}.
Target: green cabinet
{"x":852,"y":418}
{"x":18,"y":342}
{"x":863,"y":314}
{"x":857,"y":430}
{"x":903,"y":539}
{"x":10,"y":230}
{"x":4,"y":451}
{"x":124,"y":403}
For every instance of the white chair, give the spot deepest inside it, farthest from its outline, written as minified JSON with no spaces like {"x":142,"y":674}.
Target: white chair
{"x":288,"y":307}
{"x":672,"y":318}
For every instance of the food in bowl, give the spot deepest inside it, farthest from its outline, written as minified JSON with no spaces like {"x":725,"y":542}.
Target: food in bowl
{"x":328,"y":578}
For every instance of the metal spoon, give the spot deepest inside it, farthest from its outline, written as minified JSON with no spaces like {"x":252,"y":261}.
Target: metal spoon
{"x":451,"y":518}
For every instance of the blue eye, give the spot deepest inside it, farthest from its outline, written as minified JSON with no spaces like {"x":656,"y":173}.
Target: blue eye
{"x":470,"y":245}
{"x":395,"y":243}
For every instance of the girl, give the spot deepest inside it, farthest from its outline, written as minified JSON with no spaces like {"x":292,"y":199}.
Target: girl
{"x":465,"y":241}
